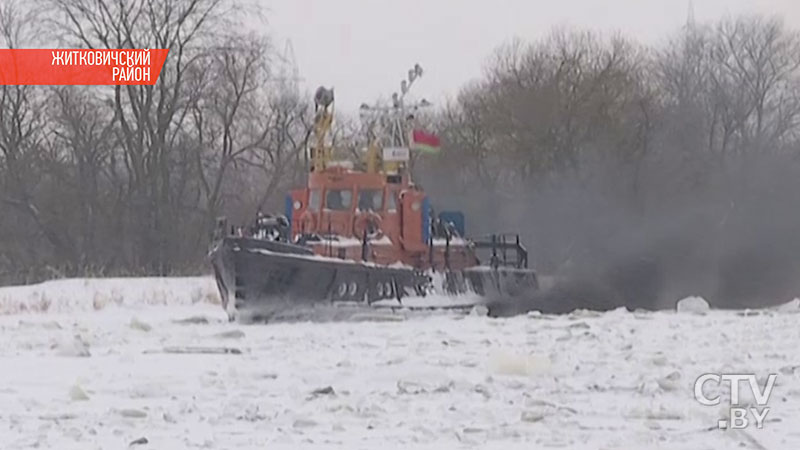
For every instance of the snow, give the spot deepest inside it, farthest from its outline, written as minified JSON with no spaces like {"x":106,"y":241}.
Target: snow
{"x":154,"y":361}
{"x":693,"y":305}
{"x":95,"y":294}
{"x":344,"y":241}
{"x":384,"y":240}
{"x":397,"y":265}
{"x":338,"y":241}
{"x":455,"y":242}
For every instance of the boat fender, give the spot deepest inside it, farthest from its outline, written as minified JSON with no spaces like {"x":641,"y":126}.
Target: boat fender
{"x":307,"y":222}
{"x":371,"y":222}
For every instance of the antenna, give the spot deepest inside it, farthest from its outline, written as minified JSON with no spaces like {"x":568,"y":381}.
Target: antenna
{"x":691,"y":24}
{"x":391,"y":119}
{"x":387,"y":125}
{"x":288,"y":73}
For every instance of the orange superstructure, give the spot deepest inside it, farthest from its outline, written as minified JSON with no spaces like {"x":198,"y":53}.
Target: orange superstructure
{"x":348,"y":211}
{"x":375,"y":214}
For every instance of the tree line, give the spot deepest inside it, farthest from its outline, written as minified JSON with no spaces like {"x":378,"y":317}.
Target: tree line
{"x":594,"y":146}
{"x":129,"y":179}
{"x":671,"y":168}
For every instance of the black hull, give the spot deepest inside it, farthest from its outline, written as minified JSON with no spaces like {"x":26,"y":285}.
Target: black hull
{"x":259,"y":279}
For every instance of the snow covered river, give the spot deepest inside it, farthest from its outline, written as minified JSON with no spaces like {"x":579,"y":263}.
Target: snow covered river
{"x":108,"y":364}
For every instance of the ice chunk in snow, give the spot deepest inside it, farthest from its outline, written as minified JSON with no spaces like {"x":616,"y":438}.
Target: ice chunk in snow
{"x":377,"y":317}
{"x":537,"y":409}
{"x":194,"y":320}
{"x":74,"y":347}
{"x":304,"y":423}
{"x":252,"y":414}
{"x":693,"y":305}
{"x":327,"y":390}
{"x":670,"y":382}
{"x":232,"y":334}
{"x":652,"y":412}
{"x":481,"y":389}
{"x":52,"y":325}
{"x":148,"y":390}
{"x":140,"y":441}
{"x":504,"y":363}
{"x":791,"y":307}
{"x":137,"y":324}
{"x":532,"y":416}
{"x":479,"y":311}
{"x":76,"y":393}
{"x":58,"y":417}
{"x":410,"y":387}
{"x":660,"y":361}
{"x":133,"y":413}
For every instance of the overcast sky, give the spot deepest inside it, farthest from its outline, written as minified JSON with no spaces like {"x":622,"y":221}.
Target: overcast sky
{"x":363,"y":48}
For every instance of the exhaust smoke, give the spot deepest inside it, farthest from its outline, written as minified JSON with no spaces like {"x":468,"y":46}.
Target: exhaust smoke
{"x":733,"y":238}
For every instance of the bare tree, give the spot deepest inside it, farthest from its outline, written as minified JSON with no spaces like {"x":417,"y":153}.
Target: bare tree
{"x":246,"y":124}
{"x":151,"y":118}
{"x":755,"y":64}
{"x":21,"y":153}
{"x":82,"y":140}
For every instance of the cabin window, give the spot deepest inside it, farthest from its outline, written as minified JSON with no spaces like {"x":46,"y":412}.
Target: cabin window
{"x":391,"y":201}
{"x":370,"y":200}
{"x":339,"y":199}
{"x":314,"y":200}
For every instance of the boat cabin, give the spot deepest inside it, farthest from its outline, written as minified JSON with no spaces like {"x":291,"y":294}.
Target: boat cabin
{"x":342,"y":211}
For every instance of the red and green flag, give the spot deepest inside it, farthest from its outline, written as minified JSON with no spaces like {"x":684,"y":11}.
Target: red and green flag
{"x":425,"y":142}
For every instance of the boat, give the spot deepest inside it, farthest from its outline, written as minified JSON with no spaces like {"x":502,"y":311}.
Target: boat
{"x":363,"y":234}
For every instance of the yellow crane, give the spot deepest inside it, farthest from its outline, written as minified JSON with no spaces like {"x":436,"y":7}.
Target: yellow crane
{"x":323,"y":119}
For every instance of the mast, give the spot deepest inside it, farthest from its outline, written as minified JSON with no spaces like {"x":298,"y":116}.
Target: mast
{"x":387,"y":126}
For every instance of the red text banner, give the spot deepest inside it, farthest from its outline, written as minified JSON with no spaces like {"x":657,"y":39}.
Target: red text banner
{"x":81,"y":66}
